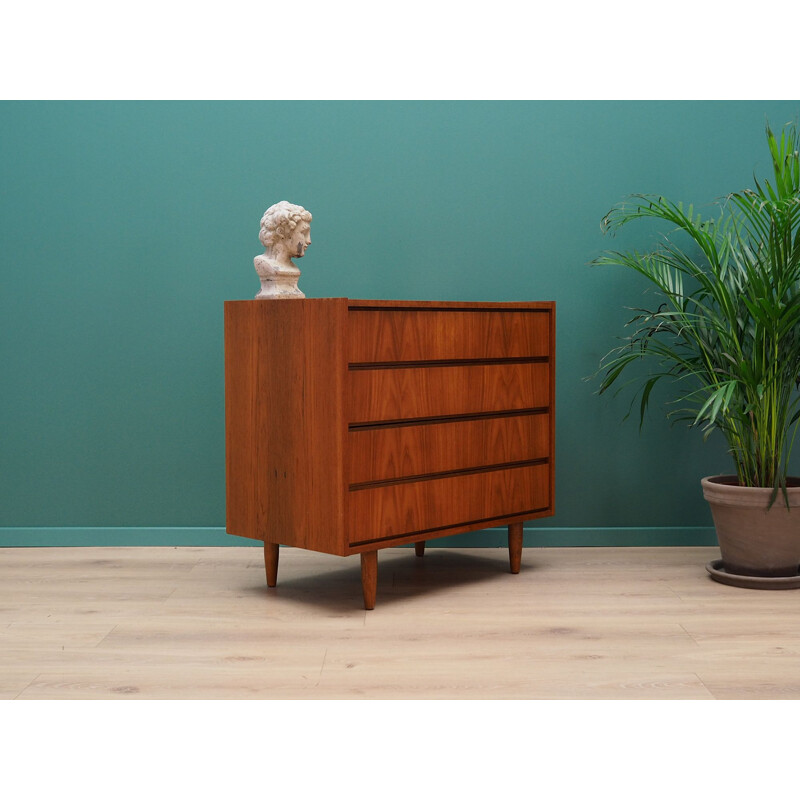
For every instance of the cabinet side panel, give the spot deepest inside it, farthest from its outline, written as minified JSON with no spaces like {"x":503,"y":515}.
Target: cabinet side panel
{"x":284,"y":372}
{"x":300,"y":371}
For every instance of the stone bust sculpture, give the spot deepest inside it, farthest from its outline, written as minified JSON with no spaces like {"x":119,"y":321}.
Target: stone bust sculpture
{"x":285,"y":234}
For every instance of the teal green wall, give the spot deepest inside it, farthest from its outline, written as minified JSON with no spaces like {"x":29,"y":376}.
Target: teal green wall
{"x":125,"y":225}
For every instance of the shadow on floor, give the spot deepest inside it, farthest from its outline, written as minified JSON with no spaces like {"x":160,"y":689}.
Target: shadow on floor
{"x":401,"y":575}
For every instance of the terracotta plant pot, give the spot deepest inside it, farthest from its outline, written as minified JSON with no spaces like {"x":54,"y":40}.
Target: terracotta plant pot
{"x":753,"y":539}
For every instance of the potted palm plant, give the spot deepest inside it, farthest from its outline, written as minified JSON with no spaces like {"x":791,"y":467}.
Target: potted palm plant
{"x":725,"y":329}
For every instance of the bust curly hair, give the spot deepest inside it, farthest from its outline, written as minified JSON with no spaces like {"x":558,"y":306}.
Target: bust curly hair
{"x":279,"y":221}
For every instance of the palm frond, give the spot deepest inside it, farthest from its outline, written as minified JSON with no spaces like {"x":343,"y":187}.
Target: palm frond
{"x":726,"y":326}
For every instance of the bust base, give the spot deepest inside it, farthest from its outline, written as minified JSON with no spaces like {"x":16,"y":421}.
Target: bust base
{"x":279,"y":289}
{"x":278,"y":280}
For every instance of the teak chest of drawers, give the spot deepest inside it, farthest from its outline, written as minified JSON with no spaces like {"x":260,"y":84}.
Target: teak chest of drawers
{"x":353,"y":425}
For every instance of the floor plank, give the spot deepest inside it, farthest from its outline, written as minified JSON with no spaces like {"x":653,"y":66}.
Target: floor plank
{"x":575,"y":623}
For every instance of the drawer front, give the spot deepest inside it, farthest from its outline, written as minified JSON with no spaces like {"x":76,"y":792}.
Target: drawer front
{"x":387,"y":512}
{"x":380,"y":395}
{"x":380,"y":454}
{"x":389,"y":335}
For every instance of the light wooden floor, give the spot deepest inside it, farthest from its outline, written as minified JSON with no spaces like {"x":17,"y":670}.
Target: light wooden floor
{"x":200,"y":623}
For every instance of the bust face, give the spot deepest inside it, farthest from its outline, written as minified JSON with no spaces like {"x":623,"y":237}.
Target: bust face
{"x":297,"y":244}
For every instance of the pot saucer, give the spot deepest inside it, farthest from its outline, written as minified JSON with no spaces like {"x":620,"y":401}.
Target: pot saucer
{"x":717,"y":571}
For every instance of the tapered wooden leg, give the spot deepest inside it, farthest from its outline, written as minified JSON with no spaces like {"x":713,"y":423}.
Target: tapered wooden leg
{"x":369,"y":577}
{"x":271,"y":562}
{"x":419,"y":548}
{"x":515,"y":546}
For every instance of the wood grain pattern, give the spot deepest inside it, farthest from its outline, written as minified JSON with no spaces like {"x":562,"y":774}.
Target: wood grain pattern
{"x":401,"y":335}
{"x":411,"y":393}
{"x":405,"y":508}
{"x":450,"y":530}
{"x":284,"y":372}
{"x":387,"y":453}
{"x":197,"y":623}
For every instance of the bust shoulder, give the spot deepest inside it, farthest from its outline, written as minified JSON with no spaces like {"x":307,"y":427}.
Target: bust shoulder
{"x":267,"y":267}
